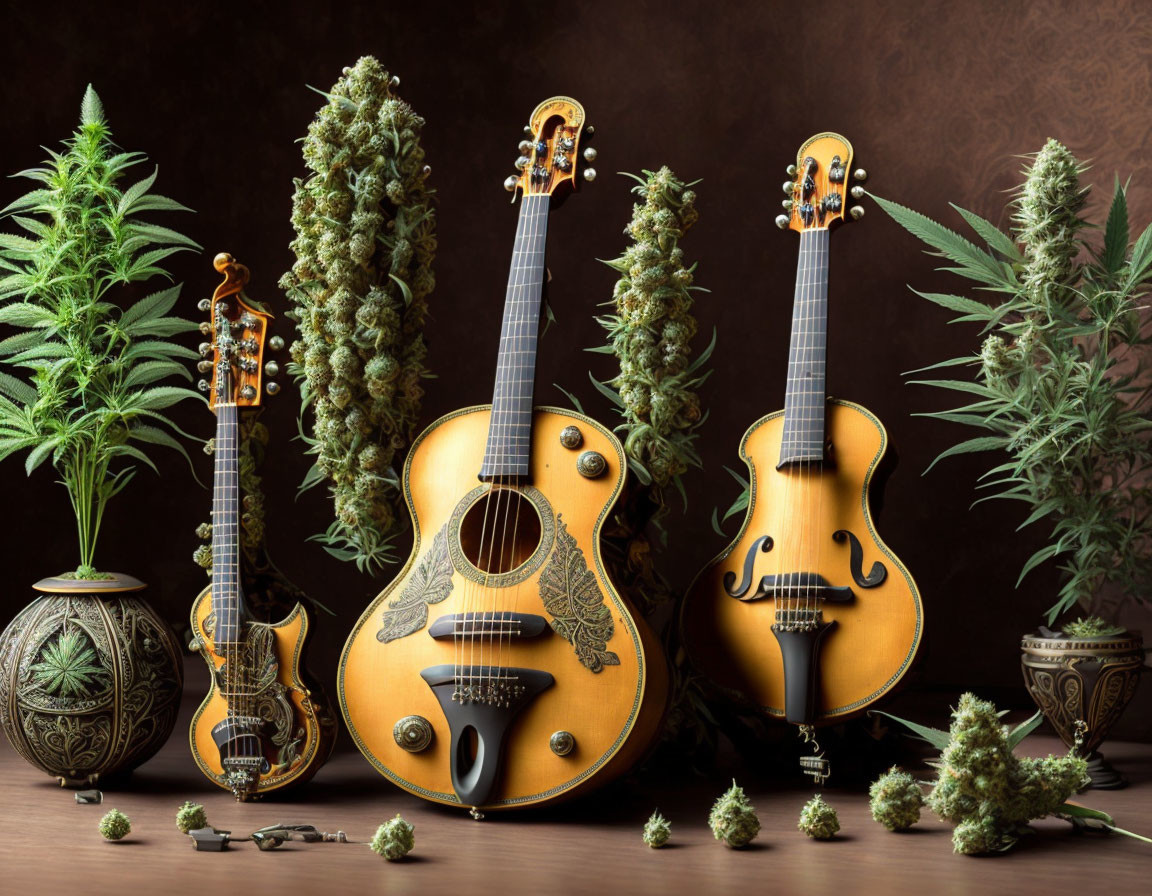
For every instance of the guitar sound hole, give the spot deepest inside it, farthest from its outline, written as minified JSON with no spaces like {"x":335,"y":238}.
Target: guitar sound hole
{"x":500,"y":531}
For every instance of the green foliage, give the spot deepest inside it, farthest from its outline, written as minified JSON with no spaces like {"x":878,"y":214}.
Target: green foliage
{"x":818,"y":820}
{"x":68,"y":666}
{"x":733,"y":818}
{"x":365,"y":241}
{"x":91,"y":401}
{"x":1059,"y":381}
{"x":896,"y":800}
{"x":1092,"y":627}
{"x":657,"y":831}
{"x":394,"y":839}
{"x":115,"y":825}
{"x":651,"y":335}
{"x":191,"y":817}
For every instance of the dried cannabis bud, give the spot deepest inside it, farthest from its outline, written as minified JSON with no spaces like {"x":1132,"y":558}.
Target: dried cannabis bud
{"x":652,"y":330}
{"x":657,"y":830}
{"x":394,"y":839}
{"x":1092,"y":627}
{"x":896,"y":799}
{"x":365,"y":242}
{"x":733,"y":818}
{"x":115,"y":825}
{"x":818,"y":820}
{"x":191,"y":817}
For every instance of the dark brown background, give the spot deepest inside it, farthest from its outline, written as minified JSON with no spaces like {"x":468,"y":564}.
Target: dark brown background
{"x":939,"y":99}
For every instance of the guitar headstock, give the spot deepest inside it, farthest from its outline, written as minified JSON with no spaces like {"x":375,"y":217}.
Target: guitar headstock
{"x":235,"y":356}
{"x":551,"y":153}
{"x":817,"y":186}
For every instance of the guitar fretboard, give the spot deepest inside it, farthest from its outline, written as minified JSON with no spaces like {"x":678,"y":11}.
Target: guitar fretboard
{"x":226,"y":600}
{"x":508,"y":450}
{"x":803,"y":438}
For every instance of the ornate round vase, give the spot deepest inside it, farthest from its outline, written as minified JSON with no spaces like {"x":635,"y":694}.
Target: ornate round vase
{"x":1088,"y":681}
{"x":90,"y":679}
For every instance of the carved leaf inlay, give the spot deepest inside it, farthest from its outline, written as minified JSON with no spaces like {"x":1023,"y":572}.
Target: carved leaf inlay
{"x":431,"y":582}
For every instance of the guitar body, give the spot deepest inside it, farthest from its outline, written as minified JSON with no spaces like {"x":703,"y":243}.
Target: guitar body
{"x":873,"y":636}
{"x":405,"y":659}
{"x":299,"y":728}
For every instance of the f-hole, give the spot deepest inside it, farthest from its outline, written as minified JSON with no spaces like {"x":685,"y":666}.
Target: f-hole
{"x":468,"y":749}
{"x":500,"y":531}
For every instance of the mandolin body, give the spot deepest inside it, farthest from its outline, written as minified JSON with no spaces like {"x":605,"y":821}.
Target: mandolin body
{"x":300,"y":727}
{"x":874,"y":635}
{"x":608,"y":685}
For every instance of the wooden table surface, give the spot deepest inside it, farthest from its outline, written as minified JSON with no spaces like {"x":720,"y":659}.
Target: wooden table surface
{"x":49,"y":844}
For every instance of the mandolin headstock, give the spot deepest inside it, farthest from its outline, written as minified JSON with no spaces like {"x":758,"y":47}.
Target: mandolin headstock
{"x":551,"y":153}
{"x":235,"y":356}
{"x":817,"y":188}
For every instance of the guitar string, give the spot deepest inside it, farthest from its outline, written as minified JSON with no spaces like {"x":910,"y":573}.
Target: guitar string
{"x":821,"y":398}
{"x":790,"y":549}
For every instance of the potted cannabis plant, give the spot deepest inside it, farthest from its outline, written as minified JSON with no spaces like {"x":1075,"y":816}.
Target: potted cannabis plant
{"x":90,"y":675}
{"x":1060,"y":393}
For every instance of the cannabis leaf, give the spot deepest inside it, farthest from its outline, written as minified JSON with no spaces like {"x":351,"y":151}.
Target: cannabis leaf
{"x":67,"y":666}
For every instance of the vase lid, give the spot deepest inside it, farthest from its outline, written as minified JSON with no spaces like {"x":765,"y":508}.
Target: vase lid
{"x":61,"y":585}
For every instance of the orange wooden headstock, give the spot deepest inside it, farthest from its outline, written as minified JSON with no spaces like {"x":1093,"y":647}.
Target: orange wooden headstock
{"x":817,"y":190}
{"x":550,"y":153}
{"x":238,"y":337}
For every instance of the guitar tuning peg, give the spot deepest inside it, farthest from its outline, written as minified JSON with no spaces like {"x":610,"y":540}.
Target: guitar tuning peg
{"x":205,"y":349}
{"x":787,"y":205}
{"x":204,"y":304}
{"x":523,"y":162}
{"x":203,"y":385}
{"x":510,"y":182}
{"x":860,"y":174}
{"x":272,"y":388}
{"x":527,"y":130}
{"x":790,"y":171}
{"x":857,"y":212}
{"x":788,"y":187}
{"x":276,"y":343}
{"x":589,"y":131}
{"x":204,"y":366}
{"x":525,"y":147}
{"x":395,"y":82}
{"x":206,"y":328}
{"x":271,"y":368}
{"x":857,"y":192}
{"x":590,"y":154}
{"x":589,"y":174}
{"x":782,"y":221}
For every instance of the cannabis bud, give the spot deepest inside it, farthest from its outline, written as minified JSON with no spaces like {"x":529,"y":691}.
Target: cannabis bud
{"x":394,"y":839}
{"x":1092,"y":627}
{"x":896,"y":799}
{"x":202,"y":556}
{"x":733,"y":819}
{"x":818,"y":820}
{"x":191,"y":817}
{"x":115,"y":825}
{"x":657,"y":830}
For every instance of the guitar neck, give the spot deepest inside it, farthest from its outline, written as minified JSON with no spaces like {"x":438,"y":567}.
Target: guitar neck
{"x":508,"y":451}
{"x":804,"y":400}
{"x":227,"y":601}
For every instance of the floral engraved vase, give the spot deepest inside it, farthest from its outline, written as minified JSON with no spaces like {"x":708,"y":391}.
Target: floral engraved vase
{"x":90,"y":679}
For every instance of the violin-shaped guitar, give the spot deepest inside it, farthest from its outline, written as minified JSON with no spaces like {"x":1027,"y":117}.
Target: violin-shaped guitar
{"x":501,"y":668}
{"x":808,"y":613}
{"x":264,"y":725}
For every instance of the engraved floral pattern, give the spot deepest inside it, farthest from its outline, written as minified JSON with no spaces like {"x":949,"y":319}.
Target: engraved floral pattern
{"x":431,"y":583}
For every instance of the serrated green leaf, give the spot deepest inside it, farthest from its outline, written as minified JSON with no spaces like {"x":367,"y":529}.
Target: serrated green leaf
{"x":970,"y":446}
{"x":1021,"y":731}
{"x":151,"y":307}
{"x":1116,"y":233}
{"x":937,"y":738}
{"x":26,"y":314}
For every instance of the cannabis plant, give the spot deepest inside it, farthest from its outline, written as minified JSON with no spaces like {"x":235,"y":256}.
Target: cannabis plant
{"x":80,"y":387}
{"x":1058,"y":382}
{"x":365,"y":240}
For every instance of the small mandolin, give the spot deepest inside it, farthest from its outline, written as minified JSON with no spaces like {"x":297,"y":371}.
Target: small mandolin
{"x":262,"y":727}
{"x":808,"y":613}
{"x":501,"y":668}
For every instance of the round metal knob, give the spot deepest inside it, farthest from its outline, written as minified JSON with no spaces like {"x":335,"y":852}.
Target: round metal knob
{"x":787,"y":205}
{"x":591,"y":464}
{"x":857,"y":212}
{"x":510,"y":182}
{"x":523,"y":162}
{"x":276,"y":343}
{"x":527,"y":130}
{"x":248,"y":392}
{"x":206,"y":328}
{"x":788,"y":187}
{"x":204,"y":366}
{"x":205,"y":349}
{"x":271,"y":388}
{"x":590,"y":154}
{"x":525,"y":147}
{"x":589,"y":131}
{"x":272,"y":368}
{"x":204,"y":304}
{"x":413,"y":733}
{"x":589,"y":174}
{"x":857,"y":192}
{"x":203,"y":385}
{"x":562,"y":743}
{"x":860,"y":174}
{"x":782,"y":221}
{"x":571,"y":437}
{"x":791,"y":171}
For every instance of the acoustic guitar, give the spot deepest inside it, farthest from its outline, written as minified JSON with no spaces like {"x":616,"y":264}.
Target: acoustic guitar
{"x":263,"y":726}
{"x":501,"y":668}
{"x":808,"y":613}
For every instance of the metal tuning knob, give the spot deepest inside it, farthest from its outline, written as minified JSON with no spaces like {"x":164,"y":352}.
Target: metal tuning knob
{"x":247,"y":321}
{"x":204,"y":304}
{"x":203,"y":385}
{"x":205,"y":349}
{"x":413,"y":733}
{"x":590,"y":154}
{"x":788,"y":187}
{"x":276,"y":343}
{"x":589,"y":131}
{"x":787,"y":205}
{"x":271,"y":387}
{"x":523,"y":162}
{"x":204,"y":366}
{"x":525,"y":147}
{"x":591,"y":464}
{"x":510,"y":182}
{"x":528,"y":130}
{"x":860,"y":174}
{"x":857,"y":212}
{"x":782,"y":221}
{"x":562,"y":743}
{"x":571,"y":437}
{"x":272,"y":368}
{"x":857,"y":192}
{"x":589,"y":174}
{"x":791,"y":170}
{"x":248,"y":392}
{"x":206,"y":328}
